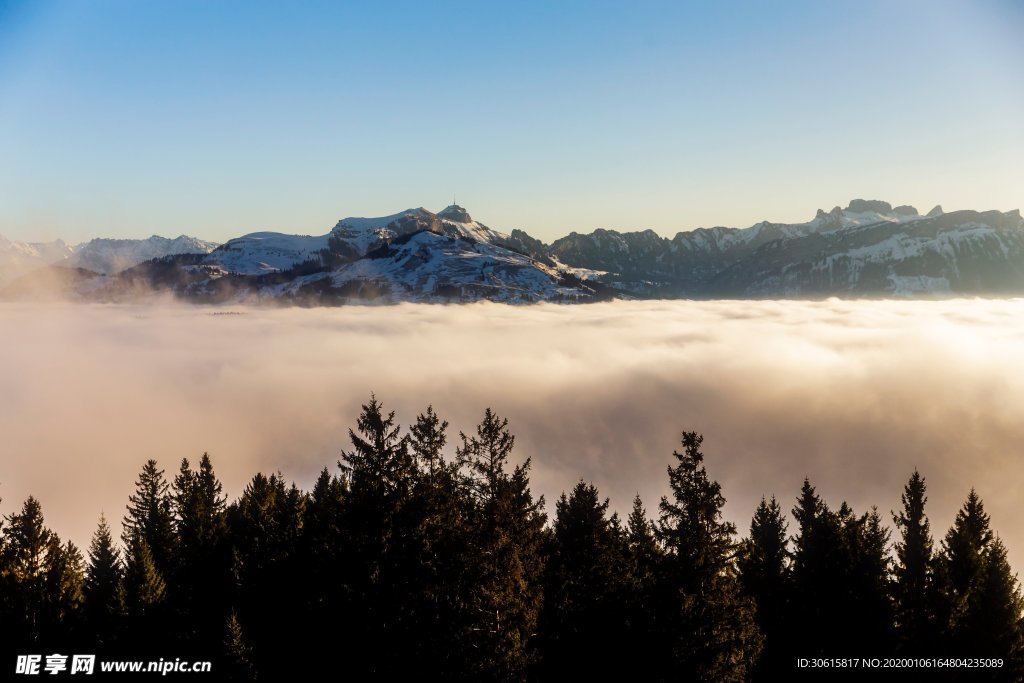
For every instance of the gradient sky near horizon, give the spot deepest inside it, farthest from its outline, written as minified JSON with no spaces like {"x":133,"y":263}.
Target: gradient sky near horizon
{"x":121,"y":118}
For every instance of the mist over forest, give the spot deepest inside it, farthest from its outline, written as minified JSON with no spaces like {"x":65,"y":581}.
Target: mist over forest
{"x":853,"y":394}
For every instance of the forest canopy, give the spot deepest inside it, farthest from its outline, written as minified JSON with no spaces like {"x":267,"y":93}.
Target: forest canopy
{"x":402,"y":561}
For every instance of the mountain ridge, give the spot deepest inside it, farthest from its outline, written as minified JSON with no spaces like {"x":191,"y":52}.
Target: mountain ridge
{"x":868,"y":248}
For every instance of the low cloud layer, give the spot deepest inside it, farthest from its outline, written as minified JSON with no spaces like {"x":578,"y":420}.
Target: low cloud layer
{"x":853,"y":394}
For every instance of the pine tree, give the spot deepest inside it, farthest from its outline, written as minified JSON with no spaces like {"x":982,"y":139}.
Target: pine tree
{"x":764,"y":574}
{"x":644,"y":643}
{"x":869,"y":613}
{"x":380,"y":473}
{"x":959,"y":566}
{"x":992,"y":625}
{"x":716,"y":635}
{"x":506,"y":527}
{"x":199,"y":508}
{"x":103,"y":590}
{"x":913,"y":587}
{"x":982,"y":597}
{"x":439,"y":552}
{"x":64,"y":577}
{"x":963,"y":550}
{"x":585,"y":595}
{"x":26,"y":543}
{"x":326,"y":587}
{"x":265,"y":526}
{"x":201,"y":578}
{"x":428,"y":438}
{"x":238,"y":656}
{"x":144,"y":588}
{"x":150,"y":516}
{"x":820,"y":564}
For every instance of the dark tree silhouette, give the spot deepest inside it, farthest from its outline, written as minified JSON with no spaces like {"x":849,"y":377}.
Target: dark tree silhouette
{"x":507,"y":537}
{"x":585,"y":594}
{"x":104,"y":591}
{"x":150,"y":516}
{"x":716,"y":637}
{"x":913,"y":587}
{"x":764,"y":574}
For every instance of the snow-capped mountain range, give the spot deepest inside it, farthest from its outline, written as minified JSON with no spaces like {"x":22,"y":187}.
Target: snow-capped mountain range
{"x":102,"y":256}
{"x":868,"y":248}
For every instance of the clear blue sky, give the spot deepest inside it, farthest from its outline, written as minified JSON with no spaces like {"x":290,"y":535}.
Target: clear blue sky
{"x":127,"y":118}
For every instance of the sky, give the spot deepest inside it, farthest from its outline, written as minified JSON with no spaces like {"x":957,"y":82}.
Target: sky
{"x":121,"y":118}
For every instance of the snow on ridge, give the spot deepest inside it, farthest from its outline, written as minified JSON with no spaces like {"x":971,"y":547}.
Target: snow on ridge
{"x":261,"y":252}
{"x":361,"y":223}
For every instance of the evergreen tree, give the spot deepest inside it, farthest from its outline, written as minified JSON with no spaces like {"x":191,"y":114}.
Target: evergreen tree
{"x":145,"y":590}
{"x":427,"y":440}
{"x":506,"y":528}
{"x":150,"y":516}
{"x":237,"y":657}
{"x":963,"y":551}
{"x":265,"y":527}
{"x":201,"y":578}
{"x":716,"y":635}
{"x":982,"y":597}
{"x":869,"y":614}
{"x":326,"y":588}
{"x":440,"y":552}
{"x":380,"y":473}
{"x":64,"y":577}
{"x":764,"y":574}
{"x":25,"y":547}
{"x":147,"y":625}
{"x":103,"y":590}
{"x":644,"y":643}
{"x":992,"y":625}
{"x":585,"y":594}
{"x":913,"y":587}
{"x":820,"y":564}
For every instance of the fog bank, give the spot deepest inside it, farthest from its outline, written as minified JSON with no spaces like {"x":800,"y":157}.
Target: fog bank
{"x":853,"y":394}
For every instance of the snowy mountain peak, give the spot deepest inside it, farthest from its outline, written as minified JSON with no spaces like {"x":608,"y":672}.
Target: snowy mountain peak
{"x":456,"y":214}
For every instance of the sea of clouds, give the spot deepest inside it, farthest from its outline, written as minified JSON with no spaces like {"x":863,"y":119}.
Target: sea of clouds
{"x":852,"y":394}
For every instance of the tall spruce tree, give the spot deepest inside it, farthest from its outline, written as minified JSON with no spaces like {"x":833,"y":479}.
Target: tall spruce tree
{"x":764,"y":573}
{"x":913,"y":586}
{"x":820,"y":564}
{"x":982,"y":597}
{"x":147,"y":625}
{"x":265,"y":528}
{"x":958,"y":568}
{"x":150,"y":516}
{"x":992,"y":625}
{"x":506,"y":527}
{"x":716,"y":635}
{"x":201,"y":580}
{"x":869,"y":614}
{"x":327,"y":585}
{"x":237,"y":655}
{"x":103,"y":591}
{"x":437,"y":517}
{"x":380,"y":473}
{"x":64,"y":576}
{"x":26,"y":543}
{"x":585,"y":593}
{"x":644,"y":642}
